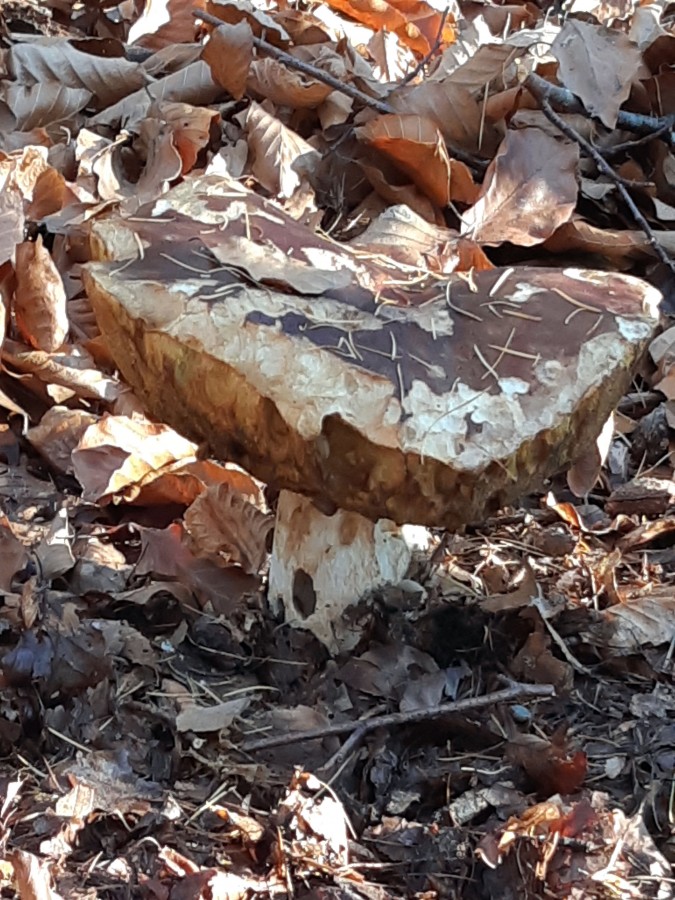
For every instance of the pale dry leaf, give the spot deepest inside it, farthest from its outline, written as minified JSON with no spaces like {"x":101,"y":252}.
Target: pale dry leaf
{"x":530,"y":189}
{"x":117,"y":454}
{"x":11,"y":222}
{"x":402,"y":235}
{"x":598,"y":65}
{"x":269,"y":264}
{"x":31,"y":875}
{"x":164,"y":23}
{"x":203,"y":719}
{"x":489,"y":63}
{"x":190,"y":129}
{"x":22,"y":168}
{"x":58,"y":433}
{"x":56,"y":61}
{"x":42,"y":105}
{"x":194,"y":84}
{"x":40,"y":298}
{"x":72,"y":368}
{"x":453,"y":109}
{"x":262,"y":24}
{"x":629,"y":627}
{"x":276,"y":149}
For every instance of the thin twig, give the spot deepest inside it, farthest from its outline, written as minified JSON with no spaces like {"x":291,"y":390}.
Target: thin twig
{"x":515,"y":691}
{"x":479,"y":165}
{"x":566,"y":101}
{"x":306,"y":68}
{"x":426,"y":59}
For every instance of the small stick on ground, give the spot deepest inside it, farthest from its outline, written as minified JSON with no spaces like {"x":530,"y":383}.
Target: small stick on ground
{"x":565,"y":101}
{"x":343,"y":87}
{"x":515,"y":691}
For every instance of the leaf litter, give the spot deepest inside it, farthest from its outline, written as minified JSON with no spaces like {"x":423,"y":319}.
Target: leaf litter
{"x":493,"y":716}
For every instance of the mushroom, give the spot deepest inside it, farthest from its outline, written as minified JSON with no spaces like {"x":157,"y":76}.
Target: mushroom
{"x":305,"y":362}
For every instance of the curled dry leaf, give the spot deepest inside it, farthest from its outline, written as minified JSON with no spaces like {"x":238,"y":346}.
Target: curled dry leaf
{"x":40,"y":298}
{"x":229,"y":52}
{"x":51,"y":194}
{"x":118,"y":454}
{"x":190,"y":128}
{"x":164,"y":23}
{"x":417,"y":147}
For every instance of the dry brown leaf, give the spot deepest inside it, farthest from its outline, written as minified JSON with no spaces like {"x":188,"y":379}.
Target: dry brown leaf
{"x":229,"y":52}
{"x":193,"y":84}
{"x":629,"y":627}
{"x":417,"y":147}
{"x":50,"y":194}
{"x":598,"y":65}
{"x":32,"y":877}
{"x":164,"y":23}
{"x":262,"y":23}
{"x":488,"y":64}
{"x":407,"y":194}
{"x":530,"y":189}
{"x":182,"y":484}
{"x":223,"y":523}
{"x":453,"y":109}
{"x":414,"y":22}
{"x":40,"y":298}
{"x":47,"y":63}
{"x":400,"y":234}
{"x":190,"y":128}
{"x":40,"y":105}
{"x":284,"y":87}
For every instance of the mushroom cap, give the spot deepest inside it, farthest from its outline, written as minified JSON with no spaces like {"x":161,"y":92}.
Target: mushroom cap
{"x":306,"y":364}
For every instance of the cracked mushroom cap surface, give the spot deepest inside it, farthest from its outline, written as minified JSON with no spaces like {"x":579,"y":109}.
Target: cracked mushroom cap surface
{"x":309,"y":366}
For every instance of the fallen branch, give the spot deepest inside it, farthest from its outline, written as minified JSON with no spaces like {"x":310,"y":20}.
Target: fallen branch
{"x":514,"y":691}
{"x":306,"y":68}
{"x":343,"y":87}
{"x":563,"y":100}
